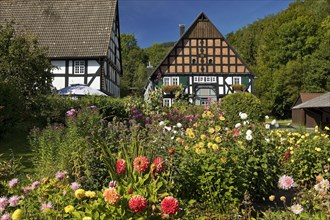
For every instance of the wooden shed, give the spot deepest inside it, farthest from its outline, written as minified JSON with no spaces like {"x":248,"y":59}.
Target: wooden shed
{"x":311,"y":109}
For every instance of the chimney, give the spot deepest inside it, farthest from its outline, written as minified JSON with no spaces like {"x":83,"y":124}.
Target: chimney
{"x":182,"y":29}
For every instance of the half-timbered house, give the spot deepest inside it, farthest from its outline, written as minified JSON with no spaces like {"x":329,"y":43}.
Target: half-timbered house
{"x":82,"y":37}
{"x":204,"y":62}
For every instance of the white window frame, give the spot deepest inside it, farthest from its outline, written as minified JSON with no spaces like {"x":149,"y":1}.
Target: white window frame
{"x":214,"y":79}
{"x":196,"y":78}
{"x":79,"y":67}
{"x":236,"y":78}
{"x":165,"y":82}
{"x":176,"y":80}
{"x":165,"y":100}
{"x":208,"y":79}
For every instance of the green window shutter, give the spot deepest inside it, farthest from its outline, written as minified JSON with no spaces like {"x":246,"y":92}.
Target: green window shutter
{"x":245,"y":80}
{"x":183,"y":80}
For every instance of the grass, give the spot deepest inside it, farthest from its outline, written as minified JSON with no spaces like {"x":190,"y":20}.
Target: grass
{"x":15,"y":144}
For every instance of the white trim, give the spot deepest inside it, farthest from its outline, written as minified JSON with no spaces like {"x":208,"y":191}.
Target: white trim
{"x":79,"y":67}
{"x":177,"y":81}
{"x":235,"y":78}
{"x":166,"y":81}
{"x":165,"y":102}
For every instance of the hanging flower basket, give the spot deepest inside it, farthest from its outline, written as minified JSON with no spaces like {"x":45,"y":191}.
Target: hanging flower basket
{"x":238,"y":87}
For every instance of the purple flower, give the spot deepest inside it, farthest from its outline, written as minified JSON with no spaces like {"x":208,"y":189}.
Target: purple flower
{"x":35,"y":184}
{"x":3,"y":202}
{"x":286,"y":182}
{"x":74,"y":186}
{"x":71,"y":112}
{"x":13,"y":201}
{"x":60,"y":175}
{"x":12,"y":183}
{"x":325,"y":167}
{"x":47,"y":205}
{"x":27,"y":189}
{"x":92,"y":107}
{"x":5,"y":217}
{"x":112,"y":184}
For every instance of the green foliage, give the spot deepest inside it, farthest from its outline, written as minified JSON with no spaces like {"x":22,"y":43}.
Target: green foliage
{"x":235,"y":103}
{"x":289,"y":52}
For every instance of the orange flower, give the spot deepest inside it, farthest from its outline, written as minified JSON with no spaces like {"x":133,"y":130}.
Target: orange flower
{"x":141,"y":164}
{"x":111,"y":196}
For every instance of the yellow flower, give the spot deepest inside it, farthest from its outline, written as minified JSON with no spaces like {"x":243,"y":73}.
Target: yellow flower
{"x":209,"y":113}
{"x":318,"y":149}
{"x":186,"y":147}
{"x":209,"y":145}
{"x":215,"y":147}
{"x":192,"y":135}
{"x":198,"y":151}
{"x":329,"y":159}
{"x":201,"y":144}
{"x":217,"y":128}
{"x":203,"y":115}
{"x":79,"y":193}
{"x":211,"y":130}
{"x":17,"y":214}
{"x":326,"y":128}
{"x":271,"y":198}
{"x":223,"y":159}
{"x":203,"y":137}
{"x":218,"y":139}
{"x":188,"y":131}
{"x":90,"y":194}
{"x":282,"y":198}
{"x":69,"y":209}
{"x":87,"y":218}
{"x":222,"y":118}
{"x":179,"y":140}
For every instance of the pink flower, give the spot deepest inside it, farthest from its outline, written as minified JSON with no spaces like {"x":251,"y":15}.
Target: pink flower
{"x":60,"y":175}
{"x":74,"y":186}
{"x":112,"y":184}
{"x":47,"y":205}
{"x":27,"y":189}
{"x":170,"y":205}
{"x":12,"y":183}
{"x":286,"y":182}
{"x":5,"y":217}
{"x":71,"y":112}
{"x":121,"y":166}
{"x":13,"y":201}
{"x":141,"y":164}
{"x":111,"y":196}
{"x":3,"y":202}
{"x":35,"y":184}
{"x":137,"y":203}
{"x":160,"y":164}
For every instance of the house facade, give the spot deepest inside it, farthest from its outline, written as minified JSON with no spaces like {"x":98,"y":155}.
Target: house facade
{"x":204,"y":63}
{"x":82,"y":37}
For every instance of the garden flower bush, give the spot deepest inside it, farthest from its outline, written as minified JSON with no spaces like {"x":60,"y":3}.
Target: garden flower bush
{"x":183,"y":162}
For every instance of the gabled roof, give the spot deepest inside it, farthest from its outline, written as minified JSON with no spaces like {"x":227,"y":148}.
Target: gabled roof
{"x":69,"y":28}
{"x":322,"y":101}
{"x":208,"y":31}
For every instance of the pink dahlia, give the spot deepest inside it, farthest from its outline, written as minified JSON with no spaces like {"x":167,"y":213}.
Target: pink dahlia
{"x":3,"y":202}
{"x":74,"y":186}
{"x":170,"y":205}
{"x":12,"y":183}
{"x":286,"y":182}
{"x":5,"y":217}
{"x":60,"y":175}
{"x":141,"y":164}
{"x":112,"y":184}
{"x":160,"y":164}
{"x":111,"y":196}
{"x":46,"y":206}
{"x":121,"y":166}
{"x":13,"y":201}
{"x":35,"y":184}
{"x":137,"y":203}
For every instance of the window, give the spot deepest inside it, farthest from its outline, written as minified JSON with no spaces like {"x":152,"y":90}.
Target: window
{"x":237,"y":80}
{"x":166,"y":81}
{"x":167,"y":102}
{"x":195,"y":78}
{"x":194,"y":61}
{"x":208,"y":79}
{"x":214,"y":79}
{"x":175,"y":81}
{"x":210,"y":61}
{"x":79,"y":67}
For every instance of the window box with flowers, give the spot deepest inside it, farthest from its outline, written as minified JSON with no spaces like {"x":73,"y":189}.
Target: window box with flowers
{"x":170,"y":89}
{"x":238,"y":87}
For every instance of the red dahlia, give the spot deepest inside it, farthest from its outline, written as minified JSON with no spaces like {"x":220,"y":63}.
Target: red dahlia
{"x":141,"y":164}
{"x":137,"y":203}
{"x":170,"y":205}
{"x":160,"y":164}
{"x":121,"y":166}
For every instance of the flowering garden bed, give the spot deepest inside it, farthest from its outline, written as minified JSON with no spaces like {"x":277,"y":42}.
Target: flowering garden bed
{"x":180,"y":163}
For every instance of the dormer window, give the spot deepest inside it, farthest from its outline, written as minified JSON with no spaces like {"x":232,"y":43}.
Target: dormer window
{"x":193,"y":61}
{"x":79,"y":67}
{"x":210,"y":61}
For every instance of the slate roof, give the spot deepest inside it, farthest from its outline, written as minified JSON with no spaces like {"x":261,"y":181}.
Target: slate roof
{"x":322,"y":101}
{"x":69,"y":28}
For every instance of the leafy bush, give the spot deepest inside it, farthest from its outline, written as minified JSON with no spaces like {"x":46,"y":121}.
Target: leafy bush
{"x":235,"y":103}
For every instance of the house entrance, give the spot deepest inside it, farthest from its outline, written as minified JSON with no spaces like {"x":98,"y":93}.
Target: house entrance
{"x":205,"y":95}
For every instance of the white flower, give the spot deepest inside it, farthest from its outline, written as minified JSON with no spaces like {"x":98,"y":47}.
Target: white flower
{"x":248,"y":132}
{"x":243,"y":116}
{"x":273,"y":122}
{"x":267,"y":126}
{"x":246,"y":122}
{"x":267,"y":140}
{"x":174,"y":131}
{"x":248,"y":137}
{"x":168,"y":128}
{"x":282,"y":139}
{"x":266,"y":117}
{"x":179,"y":125}
{"x":172,"y":138}
{"x":238,"y":125}
{"x":161,"y":123}
{"x":297,"y":209}
{"x":277,"y":125}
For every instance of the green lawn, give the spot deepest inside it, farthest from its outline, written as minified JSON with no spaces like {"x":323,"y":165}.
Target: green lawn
{"x":15,"y":144}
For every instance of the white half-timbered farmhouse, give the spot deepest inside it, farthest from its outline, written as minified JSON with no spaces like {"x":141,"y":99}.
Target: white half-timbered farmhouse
{"x":204,"y":62}
{"x":83,"y":38}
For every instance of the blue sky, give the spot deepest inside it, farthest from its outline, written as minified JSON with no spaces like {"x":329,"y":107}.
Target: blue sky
{"x":157,"y":21}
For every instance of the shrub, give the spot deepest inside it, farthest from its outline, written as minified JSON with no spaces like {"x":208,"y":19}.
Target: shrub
{"x":235,"y":103}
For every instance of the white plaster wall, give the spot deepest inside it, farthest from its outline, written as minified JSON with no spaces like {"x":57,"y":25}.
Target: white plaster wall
{"x":59,"y":82}
{"x":220,"y":80}
{"x":60,"y":64}
{"x":221,"y":90}
{"x":76,"y":80}
{"x":70,"y":67}
{"x":229,"y":80}
{"x":93,"y":66}
{"x":96,"y":83}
